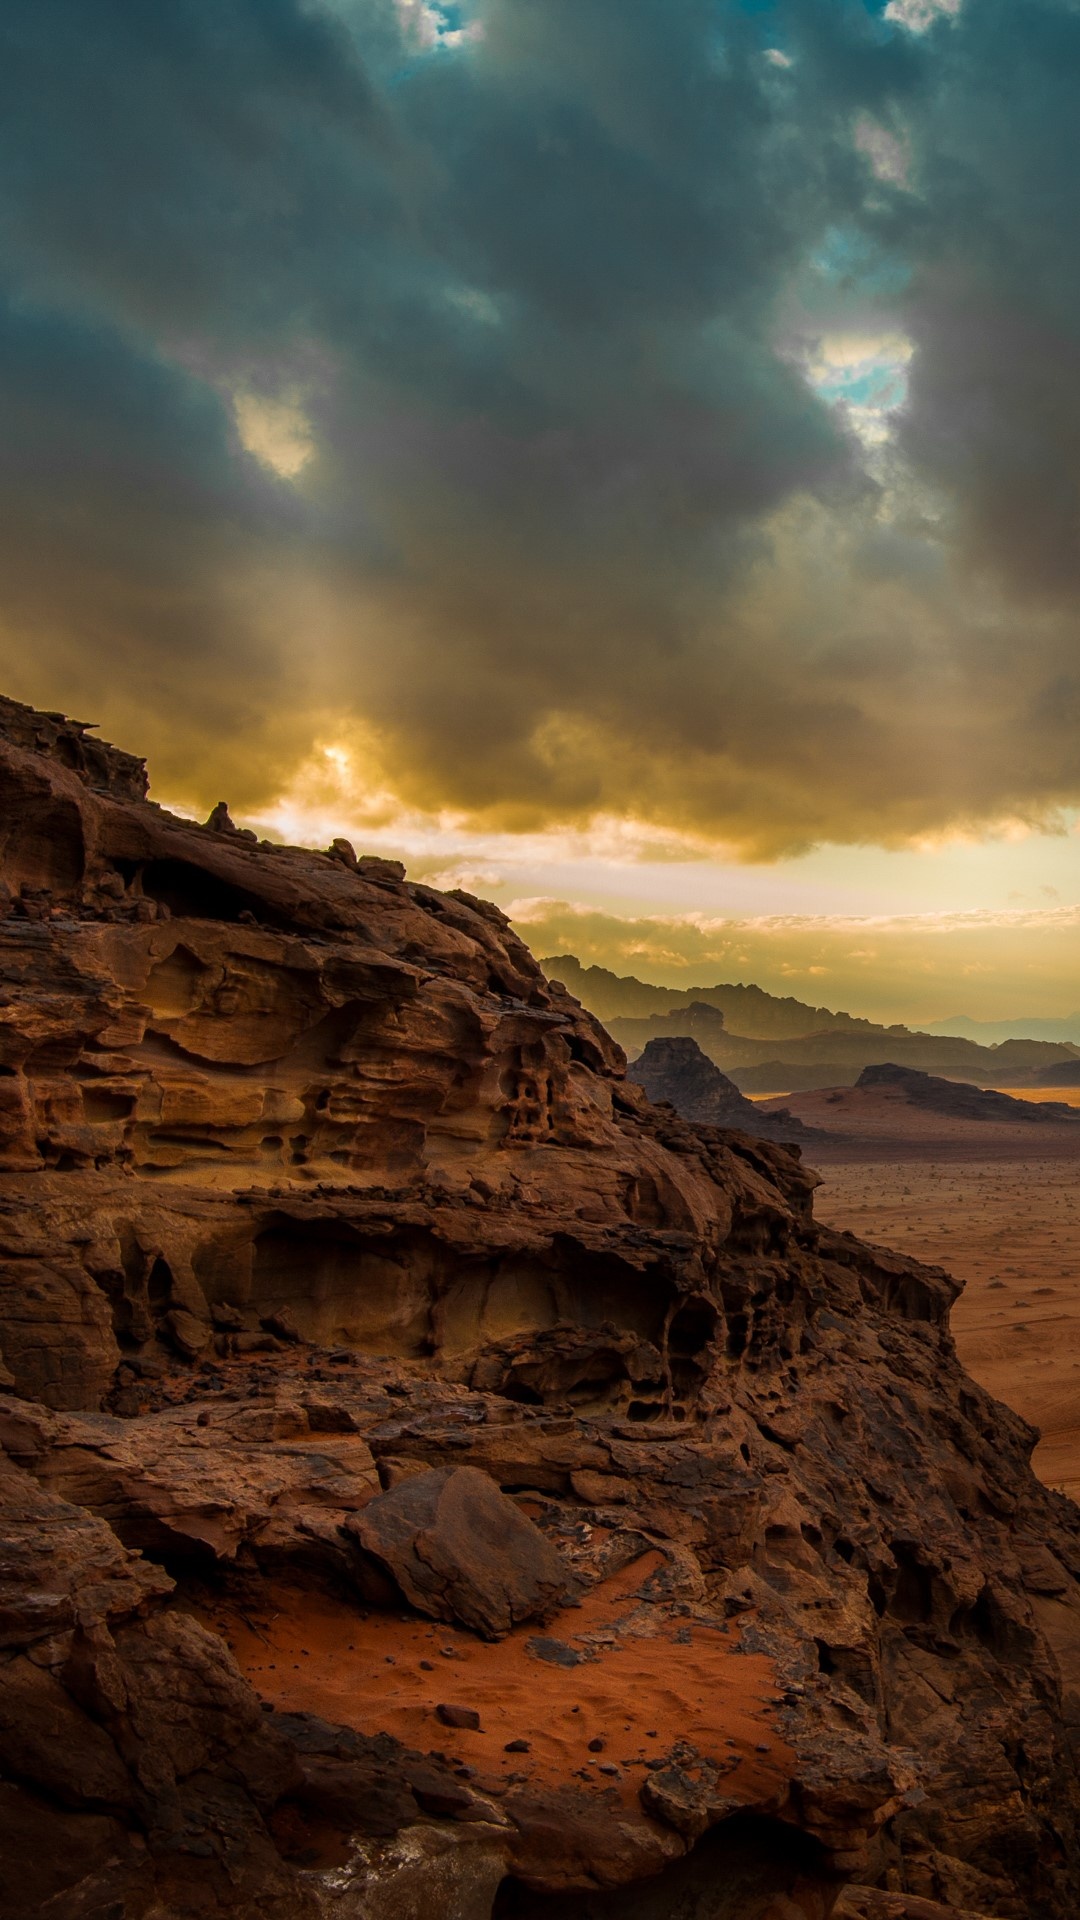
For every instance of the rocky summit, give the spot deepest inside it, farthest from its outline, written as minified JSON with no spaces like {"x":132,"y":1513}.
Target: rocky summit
{"x":438,"y":1482}
{"x":676,"y":1071}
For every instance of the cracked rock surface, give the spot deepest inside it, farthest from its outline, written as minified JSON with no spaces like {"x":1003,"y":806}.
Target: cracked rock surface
{"x":371,"y":1345}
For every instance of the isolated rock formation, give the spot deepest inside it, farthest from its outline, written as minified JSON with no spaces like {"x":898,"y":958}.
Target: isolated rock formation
{"x":954,"y":1097}
{"x":677,"y":1071}
{"x":436,"y":1480}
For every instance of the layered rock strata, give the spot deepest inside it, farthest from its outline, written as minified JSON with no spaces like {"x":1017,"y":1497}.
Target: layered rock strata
{"x":438,"y":1481}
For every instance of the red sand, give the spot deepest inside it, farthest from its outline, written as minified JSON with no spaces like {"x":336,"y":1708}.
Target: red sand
{"x":645,"y":1691}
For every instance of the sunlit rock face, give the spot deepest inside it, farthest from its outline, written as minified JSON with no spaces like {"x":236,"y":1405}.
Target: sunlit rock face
{"x":373,"y":1346}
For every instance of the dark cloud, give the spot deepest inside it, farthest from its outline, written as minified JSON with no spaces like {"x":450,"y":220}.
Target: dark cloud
{"x":444,"y":374}
{"x":995,"y":414}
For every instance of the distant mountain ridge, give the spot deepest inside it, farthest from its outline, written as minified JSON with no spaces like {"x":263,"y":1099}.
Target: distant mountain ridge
{"x":989,"y":1032}
{"x":746,"y":1009}
{"x":795,"y":1046}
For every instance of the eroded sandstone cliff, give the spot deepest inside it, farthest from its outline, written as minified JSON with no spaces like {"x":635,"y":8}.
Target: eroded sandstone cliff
{"x":439,"y":1482}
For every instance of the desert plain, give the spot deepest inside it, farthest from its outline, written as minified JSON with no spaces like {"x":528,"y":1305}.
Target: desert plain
{"x":995,"y":1203}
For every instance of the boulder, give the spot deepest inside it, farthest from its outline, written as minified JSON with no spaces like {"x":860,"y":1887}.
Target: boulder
{"x":459,"y":1549}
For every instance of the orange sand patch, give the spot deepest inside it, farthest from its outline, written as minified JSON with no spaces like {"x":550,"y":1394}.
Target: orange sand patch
{"x":1068,"y":1096}
{"x":649,"y":1685}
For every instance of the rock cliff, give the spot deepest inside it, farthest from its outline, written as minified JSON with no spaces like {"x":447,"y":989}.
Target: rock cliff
{"x":437,"y":1481}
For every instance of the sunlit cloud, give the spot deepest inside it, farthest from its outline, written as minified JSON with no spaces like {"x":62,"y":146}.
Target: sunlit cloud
{"x":918,"y":15}
{"x":715,"y":507}
{"x":344,"y":790}
{"x":889,"y":154}
{"x":707,"y":926}
{"x":912,"y":967}
{"x":865,"y":375}
{"x":275,"y":430}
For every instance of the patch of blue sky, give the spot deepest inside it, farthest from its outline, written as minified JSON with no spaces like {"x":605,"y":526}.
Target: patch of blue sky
{"x":853,"y":260}
{"x":431,"y":29}
{"x":882,"y":386}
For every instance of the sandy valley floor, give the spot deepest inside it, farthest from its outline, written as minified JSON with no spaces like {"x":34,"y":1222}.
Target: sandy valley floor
{"x":1000,"y":1208}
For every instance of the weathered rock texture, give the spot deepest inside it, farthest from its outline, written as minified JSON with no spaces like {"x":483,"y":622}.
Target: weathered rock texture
{"x":337,"y":1251}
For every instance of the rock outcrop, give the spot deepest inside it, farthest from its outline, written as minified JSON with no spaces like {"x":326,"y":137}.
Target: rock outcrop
{"x":677,"y":1071}
{"x":438,"y":1481}
{"x":958,"y":1100}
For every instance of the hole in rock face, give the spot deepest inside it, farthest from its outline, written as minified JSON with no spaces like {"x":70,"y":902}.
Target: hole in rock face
{"x":190,"y":892}
{"x":692,"y":1327}
{"x":101,"y":1106}
{"x":159,"y":1286}
{"x":912,"y":1598}
{"x":738,"y":1332}
{"x":126,"y":1320}
{"x":689,"y":1335}
{"x":737,"y":1871}
{"x":174,"y":986}
{"x":988,"y":1623}
{"x":523,"y":1395}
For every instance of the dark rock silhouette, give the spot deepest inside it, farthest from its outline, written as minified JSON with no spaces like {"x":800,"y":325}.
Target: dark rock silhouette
{"x":678,"y":1071}
{"x":935,"y":1095}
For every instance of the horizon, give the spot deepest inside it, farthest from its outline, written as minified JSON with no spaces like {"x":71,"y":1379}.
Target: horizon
{"x":620,"y":465}
{"x":680,"y":985}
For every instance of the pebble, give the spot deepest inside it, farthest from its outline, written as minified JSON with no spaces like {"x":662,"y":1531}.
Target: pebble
{"x":465,"y":1717}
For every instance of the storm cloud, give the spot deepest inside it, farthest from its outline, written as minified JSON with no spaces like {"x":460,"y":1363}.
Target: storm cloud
{"x":624,"y":409}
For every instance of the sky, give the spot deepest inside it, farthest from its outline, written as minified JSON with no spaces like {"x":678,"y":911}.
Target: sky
{"x":622,"y":456}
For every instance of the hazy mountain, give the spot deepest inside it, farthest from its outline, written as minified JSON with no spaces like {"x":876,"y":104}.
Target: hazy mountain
{"x":836,"y":1059}
{"x":746,"y":1009}
{"x":767,"y":1044}
{"x":989,"y":1032}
